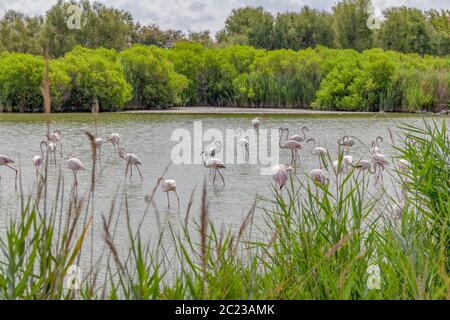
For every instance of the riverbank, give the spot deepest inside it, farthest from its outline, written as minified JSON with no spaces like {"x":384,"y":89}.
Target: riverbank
{"x":255,"y":111}
{"x":231,"y":110}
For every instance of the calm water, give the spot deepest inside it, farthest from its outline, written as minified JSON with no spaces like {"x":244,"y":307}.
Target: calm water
{"x":149,"y":136}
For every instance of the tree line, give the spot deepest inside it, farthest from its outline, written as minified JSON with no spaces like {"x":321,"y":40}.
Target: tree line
{"x":402,"y":29}
{"x":189,"y":73}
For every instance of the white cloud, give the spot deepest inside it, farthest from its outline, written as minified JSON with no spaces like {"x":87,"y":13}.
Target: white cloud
{"x":205,"y":14}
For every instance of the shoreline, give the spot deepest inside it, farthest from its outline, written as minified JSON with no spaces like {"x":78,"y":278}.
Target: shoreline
{"x":249,"y":111}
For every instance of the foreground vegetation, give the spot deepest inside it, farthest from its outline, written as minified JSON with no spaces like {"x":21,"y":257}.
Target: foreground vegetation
{"x":319,"y":242}
{"x":191,"y":74}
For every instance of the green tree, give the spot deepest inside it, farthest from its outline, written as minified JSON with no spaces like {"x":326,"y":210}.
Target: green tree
{"x":350,"y":24}
{"x":153,"y":35}
{"x":19,"y":33}
{"x":248,"y":26}
{"x":305,"y":29}
{"x":405,"y":30}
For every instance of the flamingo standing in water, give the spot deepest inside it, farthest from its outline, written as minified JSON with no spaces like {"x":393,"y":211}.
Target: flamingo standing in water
{"x":114,"y":138}
{"x":292,"y":145}
{"x":38,"y":159}
{"x":215,"y":165}
{"x":55,"y":139}
{"x":376,"y":145}
{"x":75,"y":165}
{"x":6,"y":161}
{"x":51,"y":147}
{"x":98,"y":144}
{"x":347,"y":142}
{"x":132,"y":160}
{"x":318,"y":151}
{"x":243,"y":141}
{"x":379,"y":163}
{"x":298,"y":137}
{"x":340,"y":167}
{"x":281,"y":174}
{"x":257,"y":122}
{"x":319,"y":176}
{"x":170,"y":185}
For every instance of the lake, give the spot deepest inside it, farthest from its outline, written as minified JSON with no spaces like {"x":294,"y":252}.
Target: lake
{"x":149,"y":137}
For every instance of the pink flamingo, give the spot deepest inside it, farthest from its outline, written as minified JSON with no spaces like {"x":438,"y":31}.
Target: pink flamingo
{"x":292,"y":145}
{"x":170,"y":185}
{"x":6,"y":161}
{"x":132,"y":160}
{"x":281,"y":174}
{"x":215,"y":165}
{"x":114,"y":138}
{"x":75,"y":165}
{"x":54,"y":138}
{"x":298,"y":137}
{"x":318,"y":151}
{"x":319,"y":176}
{"x":38,"y":159}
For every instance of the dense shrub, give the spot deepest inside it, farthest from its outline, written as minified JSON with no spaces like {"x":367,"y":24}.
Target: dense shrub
{"x":190,"y":74}
{"x":20,"y":77}
{"x":95,"y":74}
{"x":155,"y":83}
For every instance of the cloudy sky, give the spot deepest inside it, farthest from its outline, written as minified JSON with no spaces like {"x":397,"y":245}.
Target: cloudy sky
{"x":205,"y":14}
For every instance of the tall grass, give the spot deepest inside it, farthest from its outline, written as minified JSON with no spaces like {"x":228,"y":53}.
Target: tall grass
{"x":318,"y":241}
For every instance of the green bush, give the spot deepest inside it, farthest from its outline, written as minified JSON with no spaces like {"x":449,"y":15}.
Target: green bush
{"x":155,"y":83}
{"x":95,"y":74}
{"x":20,"y":77}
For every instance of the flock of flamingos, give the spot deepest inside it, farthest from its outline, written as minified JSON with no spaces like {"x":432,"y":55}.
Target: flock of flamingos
{"x":280,"y":175}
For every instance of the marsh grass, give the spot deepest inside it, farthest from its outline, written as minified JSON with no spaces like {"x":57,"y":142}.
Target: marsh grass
{"x":318,"y":241}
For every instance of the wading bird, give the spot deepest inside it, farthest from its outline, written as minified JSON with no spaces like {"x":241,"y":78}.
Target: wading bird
{"x":292,"y":145}
{"x":114,"y":138}
{"x":211,"y":152}
{"x":347,"y":142}
{"x":280,"y":174}
{"x":320,"y":152}
{"x":379,"y":163}
{"x":298,"y":137}
{"x":98,"y":144}
{"x":6,"y":161}
{"x":170,"y":185}
{"x":38,"y":159}
{"x":215,"y":165}
{"x":243,"y":142}
{"x":319,"y":175}
{"x":132,"y":160}
{"x":51,"y":148}
{"x":257,"y":122}
{"x":376,"y":145}
{"x":75,"y":165}
{"x":343,"y":166}
{"x":55,"y":139}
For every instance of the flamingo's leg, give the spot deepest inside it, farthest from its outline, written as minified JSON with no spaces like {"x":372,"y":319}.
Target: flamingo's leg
{"x":178,"y":199}
{"x":223,"y":180}
{"x":17,"y":171}
{"x":139,"y":172}
{"x":214,"y":180}
{"x":168,"y":202}
{"x":131,"y":171}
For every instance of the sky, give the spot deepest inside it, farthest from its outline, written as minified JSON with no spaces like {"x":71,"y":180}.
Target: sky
{"x":197,"y":15}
